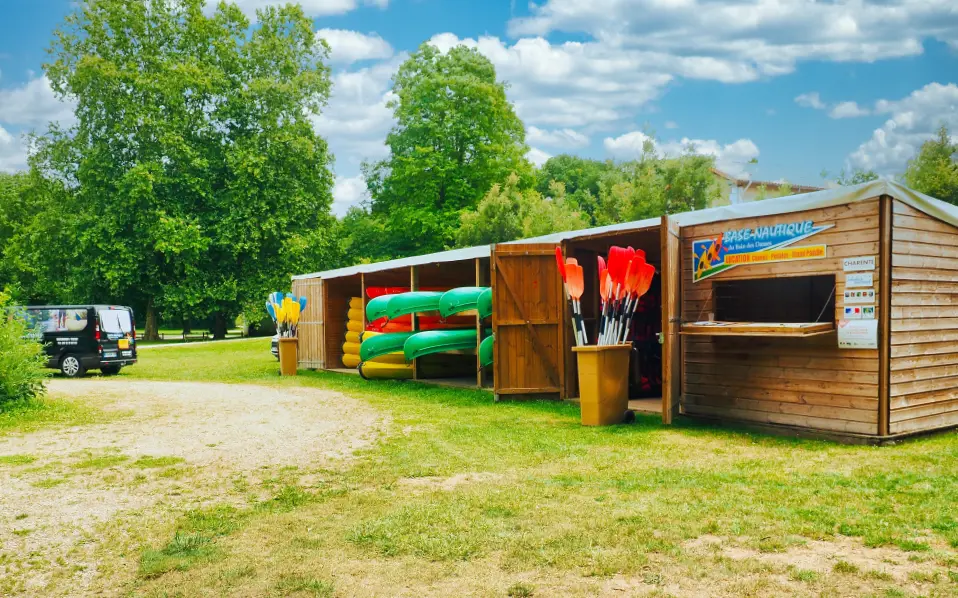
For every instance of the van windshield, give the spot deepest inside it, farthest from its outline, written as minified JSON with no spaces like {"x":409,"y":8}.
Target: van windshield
{"x":115,"y":321}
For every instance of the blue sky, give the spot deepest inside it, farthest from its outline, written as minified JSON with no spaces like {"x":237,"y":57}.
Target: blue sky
{"x":800,"y":85}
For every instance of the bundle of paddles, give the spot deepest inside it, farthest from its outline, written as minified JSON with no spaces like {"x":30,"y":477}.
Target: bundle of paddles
{"x":623,"y":279}
{"x":387,"y":345}
{"x":285,"y":311}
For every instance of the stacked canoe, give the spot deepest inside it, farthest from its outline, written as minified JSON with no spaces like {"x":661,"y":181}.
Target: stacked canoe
{"x":446,"y":324}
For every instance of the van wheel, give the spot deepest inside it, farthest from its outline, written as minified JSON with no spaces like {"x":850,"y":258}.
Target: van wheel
{"x":110,"y":370}
{"x":70,"y":367}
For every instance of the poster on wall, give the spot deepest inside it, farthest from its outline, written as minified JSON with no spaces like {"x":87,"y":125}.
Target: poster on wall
{"x":760,"y":245}
{"x":862,"y":279}
{"x":860,"y":296}
{"x":858,"y":334}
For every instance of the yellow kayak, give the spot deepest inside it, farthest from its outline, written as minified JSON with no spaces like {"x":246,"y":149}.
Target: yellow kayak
{"x":381,"y":371}
{"x":351,"y":348}
{"x":353,"y":337}
{"x":354,"y":326}
{"x":350,"y":361}
{"x":355,"y":315}
{"x":355,"y":303}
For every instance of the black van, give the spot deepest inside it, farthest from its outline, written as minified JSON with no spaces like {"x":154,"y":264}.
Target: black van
{"x":78,"y":338}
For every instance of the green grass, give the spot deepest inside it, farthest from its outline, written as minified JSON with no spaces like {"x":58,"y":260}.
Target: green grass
{"x":47,"y":412}
{"x":559,"y":500}
{"x":147,"y":462}
{"x":17,"y":459}
{"x":100,"y":461}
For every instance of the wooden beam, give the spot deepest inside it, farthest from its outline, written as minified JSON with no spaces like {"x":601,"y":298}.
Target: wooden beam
{"x":413,"y":318}
{"x":885,"y":223}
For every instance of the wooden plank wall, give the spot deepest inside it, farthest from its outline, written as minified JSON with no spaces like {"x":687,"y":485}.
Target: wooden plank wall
{"x":924,"y":325}
{"x":336,"y":295}
{"x":312,"y":347}
{"x":799,"y":382}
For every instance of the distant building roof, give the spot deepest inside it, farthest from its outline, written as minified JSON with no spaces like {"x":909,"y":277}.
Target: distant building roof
{"x":770,"y":185}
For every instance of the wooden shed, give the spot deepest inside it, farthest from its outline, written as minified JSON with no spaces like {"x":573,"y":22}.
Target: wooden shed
{"x":322,"y":329}
{"x":832,"y":312}
{"x":828,"y":313}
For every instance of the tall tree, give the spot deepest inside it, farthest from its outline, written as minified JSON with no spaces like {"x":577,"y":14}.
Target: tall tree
{"x":934,"y":171}
{"x":199,"y":181}
{"x":652,"y":186}
{"x":508,"y":212}
{"x":579,"y":176}
{"x":456,"y":134}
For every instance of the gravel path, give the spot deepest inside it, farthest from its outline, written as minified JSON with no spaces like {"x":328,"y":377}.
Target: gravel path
{"x":223,"y":432}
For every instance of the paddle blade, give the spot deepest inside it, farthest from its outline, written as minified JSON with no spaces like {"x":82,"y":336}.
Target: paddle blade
{"x":302,"y":304}
{"x":571,"y":260}
{"x":604,"y":284}
{"x":648,"y":272}
{"x":639,"y":252}
{"x":635,"y":273}
{"x":270,"y":310}
{"x":575,"y":280}
{"x":601,"y":261}
{"x":560,"y":263}
{"x":618,"y":262}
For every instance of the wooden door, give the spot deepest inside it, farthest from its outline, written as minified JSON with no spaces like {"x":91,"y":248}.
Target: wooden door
{"x":312,"y":342}
{"x":527,"y":320}
{"x":671,"y":318}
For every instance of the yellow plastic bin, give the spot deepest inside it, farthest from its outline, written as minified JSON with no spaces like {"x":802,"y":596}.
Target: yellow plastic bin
{"x":287,"y":356}
{"x":603,"y":383}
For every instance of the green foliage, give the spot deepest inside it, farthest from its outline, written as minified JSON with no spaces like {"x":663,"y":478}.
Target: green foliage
{"x":21,"y":360}
{"x":508,"y":212}
{"x":934,"y":171}
{"x":652,"y":186}
{"x":196,"y":181}
{"x":856,"y":177}
{"x":580,"y":177}
{"x":456,"y":135}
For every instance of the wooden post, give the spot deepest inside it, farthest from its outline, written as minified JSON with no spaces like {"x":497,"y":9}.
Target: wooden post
{"x":478,"y":328}
{"x":413,"y":319}
{"x":885,"y":220}
{"x":362,"y":297}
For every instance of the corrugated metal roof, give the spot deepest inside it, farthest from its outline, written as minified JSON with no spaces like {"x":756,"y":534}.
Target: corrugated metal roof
{"x":768,"y":207}
{"x":453,"y":255}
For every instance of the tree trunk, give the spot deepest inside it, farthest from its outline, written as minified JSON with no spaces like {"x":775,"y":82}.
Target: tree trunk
{"x":187,"y":325}
{"x":152,"y":330}
{"x":219,"y":326}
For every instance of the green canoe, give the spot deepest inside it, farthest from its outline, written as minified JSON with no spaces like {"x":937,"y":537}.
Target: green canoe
{"x":484,"y":303}
{"x":438,"y":341}
{"x":382,"y":344}
{"x":459,"y":300}
{"x":376,"y":308}
{"x":415,"y":302}
{"x":485,"y":350}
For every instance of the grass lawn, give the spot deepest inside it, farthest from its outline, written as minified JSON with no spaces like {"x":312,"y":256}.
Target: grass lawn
{"x":468,"y":497}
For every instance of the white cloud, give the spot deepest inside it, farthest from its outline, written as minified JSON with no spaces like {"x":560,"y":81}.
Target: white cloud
{"x":13,"y":152}
{"x":914,"y":119}
{"x":313,"y":8}
{"x":766,"y":36}
{"x":347,"y":47}
{"x":34,"y":105}
{"x":848,"y":110}
{"x":357,"y":119}
{"x":537,"y":156}
{"x":731,"y":158}
{"x":671,"y":124}
{"x":559,"y":138}
{"x":810,"y":100}
{"x":348,"y":192}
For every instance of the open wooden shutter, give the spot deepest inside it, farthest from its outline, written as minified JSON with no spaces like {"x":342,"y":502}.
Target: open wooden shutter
{"x":671,"y":318}
{"x":528,"y":310}
{"x":312,"y":342}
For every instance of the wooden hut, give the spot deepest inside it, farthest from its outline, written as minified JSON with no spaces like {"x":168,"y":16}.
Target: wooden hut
{"x":829,"y":313}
